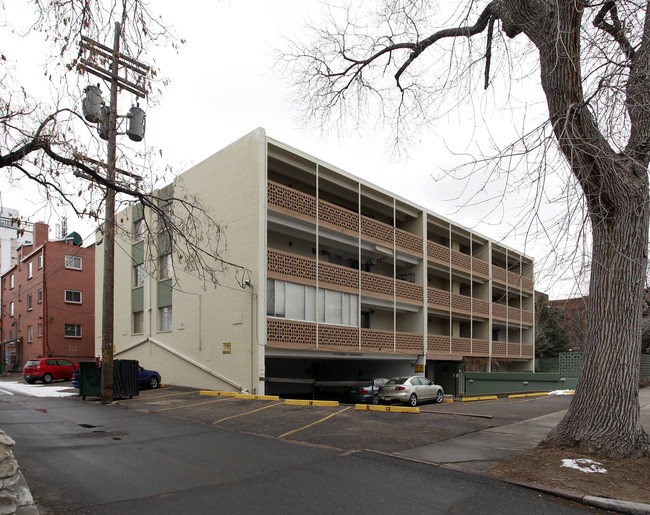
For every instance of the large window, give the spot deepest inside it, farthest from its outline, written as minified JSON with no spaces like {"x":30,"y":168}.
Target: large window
{"x":40,"y":261}
{"x":138,"y":275}
{"x":30,"y":270}
{"x":40,"y":330}
{"x":30,"y":333}
{"x":138,"y":322}
{"x":73,"y":296}
{"x":165,"y":266}
{"x":40,"y":296}
{"x":73,"y":262}
{"x":165,"y":318}
{"x":11,"y":281}
{"x":11,"y":309}
{"x":29,"y":301}
{"x":298,"y":302}
{"x":139,"y":228}
{"x":73,"y":330}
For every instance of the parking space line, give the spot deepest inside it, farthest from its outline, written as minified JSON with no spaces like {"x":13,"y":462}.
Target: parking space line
{"x":189,"y":405}
{"x":247,"y":413}
{"x":314,"y":423}
{"x":154,"y":397}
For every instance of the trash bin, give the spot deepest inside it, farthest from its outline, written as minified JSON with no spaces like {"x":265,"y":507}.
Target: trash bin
{"x":89,"y":379}
{"x":125,"y":378}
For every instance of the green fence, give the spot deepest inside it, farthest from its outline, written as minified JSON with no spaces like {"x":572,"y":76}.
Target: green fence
{"x":484,"y":383}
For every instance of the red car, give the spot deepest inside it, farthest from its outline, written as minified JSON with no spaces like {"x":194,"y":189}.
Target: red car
{"x":48,"y":369}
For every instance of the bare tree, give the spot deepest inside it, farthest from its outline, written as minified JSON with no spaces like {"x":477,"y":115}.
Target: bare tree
{"x":52,"y":145}
{"x":413,"y":60}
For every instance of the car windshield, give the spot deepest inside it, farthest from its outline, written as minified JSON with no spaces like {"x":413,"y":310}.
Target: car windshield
{"x":32,"y":363}
{"x":396,"y":380}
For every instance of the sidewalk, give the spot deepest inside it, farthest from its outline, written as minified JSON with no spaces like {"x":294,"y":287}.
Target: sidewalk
{"x":481,"y":451}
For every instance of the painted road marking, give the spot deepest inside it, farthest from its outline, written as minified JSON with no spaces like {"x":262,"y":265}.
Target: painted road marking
{"x":314,"y":423}
{"x":188,"y":405}
{"x":247,"y":413}
{"x":483,"y":398}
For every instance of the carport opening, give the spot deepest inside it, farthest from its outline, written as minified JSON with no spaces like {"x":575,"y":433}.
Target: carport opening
{"x":325,"y":379}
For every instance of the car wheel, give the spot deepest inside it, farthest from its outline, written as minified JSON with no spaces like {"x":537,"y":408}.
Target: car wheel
{"x":413,"y":400}
{"x":47,"y":378}
{"x":440,"y":396}
{"x":375,"y":400}
{"x":153,"y":382}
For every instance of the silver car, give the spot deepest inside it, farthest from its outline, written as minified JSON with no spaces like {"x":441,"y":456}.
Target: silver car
{"x":410,"y":390}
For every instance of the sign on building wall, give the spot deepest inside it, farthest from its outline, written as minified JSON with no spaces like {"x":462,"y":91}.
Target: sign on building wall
{"x":227,"y":348}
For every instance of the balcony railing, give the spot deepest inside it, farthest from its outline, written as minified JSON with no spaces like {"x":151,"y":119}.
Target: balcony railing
{"x":294,"y":268}
{"x":444,"y":300}
{"x":296,"y":335}
{"x":301,"y":205}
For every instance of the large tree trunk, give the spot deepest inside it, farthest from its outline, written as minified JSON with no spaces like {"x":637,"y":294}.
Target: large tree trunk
{"x":604,"y":414}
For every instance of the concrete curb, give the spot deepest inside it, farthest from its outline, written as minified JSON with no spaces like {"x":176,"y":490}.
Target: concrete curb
{"x":617,"y":505}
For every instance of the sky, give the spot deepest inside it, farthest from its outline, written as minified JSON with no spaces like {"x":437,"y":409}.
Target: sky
{"x":225,"y":83}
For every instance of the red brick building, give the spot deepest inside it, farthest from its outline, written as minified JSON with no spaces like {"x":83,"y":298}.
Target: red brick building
{"x":48,"y":301}
{"x":574,"y":320}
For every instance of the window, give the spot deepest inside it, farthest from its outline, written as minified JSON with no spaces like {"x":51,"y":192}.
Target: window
{"x":40,"y":261}
{"x":40,"y":296}
{"x":73,"y":262}
{"x":11,"y":309}
{"x":29,"y":301}
{"x":30,"y":333}
{"x":165,"y":318}
{"x":73,"y":330}
{"x":73,"y":296}
{"x":30,"y":270}
{"x":11,"y":281}
{"x":298,"y":302}
{"x":165,"y":266}
{"x":138,"y":275}
{"x":139,"y":229}
{"x":138,"y":322}
{"x":40,"y":330}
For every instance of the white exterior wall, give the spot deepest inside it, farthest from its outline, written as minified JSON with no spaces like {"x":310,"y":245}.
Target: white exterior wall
{"x":231,"y":184}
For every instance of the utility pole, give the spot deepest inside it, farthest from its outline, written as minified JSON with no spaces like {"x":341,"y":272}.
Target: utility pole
{"x":108,"y":118}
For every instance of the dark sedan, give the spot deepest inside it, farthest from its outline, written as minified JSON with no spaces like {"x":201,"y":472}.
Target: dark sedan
{"x":364,"y":391}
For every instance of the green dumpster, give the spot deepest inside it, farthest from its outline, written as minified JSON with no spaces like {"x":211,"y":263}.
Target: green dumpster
{"x":89,"y":379}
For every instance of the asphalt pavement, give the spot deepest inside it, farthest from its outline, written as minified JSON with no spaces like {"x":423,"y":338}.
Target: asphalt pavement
{"x":81,"y":457}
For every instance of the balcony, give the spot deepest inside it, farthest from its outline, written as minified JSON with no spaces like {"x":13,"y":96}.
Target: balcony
{"x":295,"y":335}
{"x":297,"y":204}
{"x":301,"y":205}
{"x":444,"y":300}
{"x":509,"y":314}
{"x":293,"y":268}
{"x":452,"y":346}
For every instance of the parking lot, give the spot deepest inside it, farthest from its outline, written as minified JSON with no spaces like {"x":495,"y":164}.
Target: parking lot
{"x":339,"y":426}
{"x":342,"y":426}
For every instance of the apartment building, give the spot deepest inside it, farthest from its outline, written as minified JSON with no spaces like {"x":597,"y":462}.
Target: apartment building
{"x":330,"y":279}
{"x":48,"y":301}
{"x":13,"y":234}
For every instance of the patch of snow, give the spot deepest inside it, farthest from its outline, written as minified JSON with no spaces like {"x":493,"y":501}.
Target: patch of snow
{"x":35,"y":390}
{"x":584,"y":465}
{"x":562,"y":392}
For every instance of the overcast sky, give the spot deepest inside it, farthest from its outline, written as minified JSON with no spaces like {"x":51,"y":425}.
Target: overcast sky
{"x":224,"y":85}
